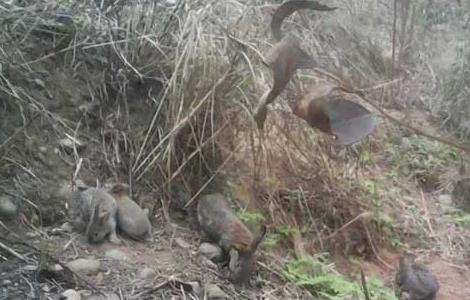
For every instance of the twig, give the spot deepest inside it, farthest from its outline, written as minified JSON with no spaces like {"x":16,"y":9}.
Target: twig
{"x":360,"y":216}
{"x":212,"y":177}
{"x":364,"y":285}
{"x":426,"y":215}
{"x":18,"y":131}
{"x":374,"y":249}
{"x":450,"y":142}
{"x":55,"y":260}
{"x":13,"y":252}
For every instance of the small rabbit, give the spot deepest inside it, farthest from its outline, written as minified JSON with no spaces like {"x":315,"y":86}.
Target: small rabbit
{"x":131,"y":219}
{"x":221,"y":225}
{"x":93,"y":211}
{"x":415,"y":281}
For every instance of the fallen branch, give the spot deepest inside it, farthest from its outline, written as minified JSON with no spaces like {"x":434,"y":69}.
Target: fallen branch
{"x":450,"y":142}
{"x":12,"y":252}
{"x":55,"y":260}
{"x":361,"y":94}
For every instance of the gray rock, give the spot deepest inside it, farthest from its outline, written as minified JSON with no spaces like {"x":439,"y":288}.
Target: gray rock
{"x":147,"y":273}
{"x":6,"y":282}
{"x":211,"y":251}
{"x":71,"y":295}
{"x":116,"y":254}
{"x":66,"y":227}
{"x":405,"y":144}
{"x":214,"y":292}
{"x":68,"y":144}
{"x":85,"y":266}
{"x":196,"y":287}
{"x":8,"y":209}
{"x":46,"y":288}
{"x":182,"y":243}
{"x":445,"y":199}
{"x":30,"y":267}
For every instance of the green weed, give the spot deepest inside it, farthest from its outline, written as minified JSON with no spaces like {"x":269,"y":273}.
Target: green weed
{"x":318,"y":276}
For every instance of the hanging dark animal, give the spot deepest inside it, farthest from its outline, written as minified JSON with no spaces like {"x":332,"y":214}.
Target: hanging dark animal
{"x":348,"y":121}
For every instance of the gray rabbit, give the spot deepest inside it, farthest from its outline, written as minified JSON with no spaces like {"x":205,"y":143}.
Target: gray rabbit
{"x":221,"y":225}
{"x":415,"y":281}
{"x":93,"y":211}
{"x":132,"y":220}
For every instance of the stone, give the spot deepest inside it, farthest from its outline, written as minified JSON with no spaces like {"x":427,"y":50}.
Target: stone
{"x":46,"y":288}
{"x":116,"y":254}
{"x":147,"y":273}
{"x":66,"y":227}
{"x":85,"y":266}
{"x":6,"y":282}
{"x":8,"y":209}
{"x":69,"y":143}
{"x":214,"y":292}
{"x":445,"y":199}
{"x":182,"y":243}
{"x":211,"y":251}
{"x":405,"y":144}
{"x":71,"y":295}
{"x":196,"y":287}
{"x":30,"y":267}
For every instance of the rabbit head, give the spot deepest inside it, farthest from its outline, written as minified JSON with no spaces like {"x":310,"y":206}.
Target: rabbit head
{"x":97,"y":228}
{"x":242,"y":264}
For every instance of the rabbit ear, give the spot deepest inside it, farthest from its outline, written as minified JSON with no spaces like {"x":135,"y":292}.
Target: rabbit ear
{"x":257,"y":240}
{"x":234,"y":260}
{"x":103,"y":214}
{"x":96,"y":213}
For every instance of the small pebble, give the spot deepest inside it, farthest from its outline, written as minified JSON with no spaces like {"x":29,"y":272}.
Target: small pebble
{"x":214,"y":292}
{"x":46,"y":288}
{"x":32,"y":234}
{"x":116,"y":254}
{"x":6,"y":282}
{"x":85,"y":266}
{"x":8,"y":209}
{"x":196,"y":287}
{"x":211,"y":251}
{"x":147,"y":273}
{"x":30,"y":268}
{"x":445,"y":199}
{"x":71,"y":295}
{"x":182,"y":243}
{"x":66,"y":227}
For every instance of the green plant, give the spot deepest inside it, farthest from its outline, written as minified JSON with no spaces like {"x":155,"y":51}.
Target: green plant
{"x":251,"y":217}
{"x":378,"y":290}
{"x":312,"y":273}
{"x":318,"y":276}
{"x":271,"y":240}
{"x":288,"y":231}
{"x":457,"y":216}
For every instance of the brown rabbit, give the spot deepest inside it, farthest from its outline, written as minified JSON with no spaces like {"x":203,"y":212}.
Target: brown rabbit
{"x":220,"y":224}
